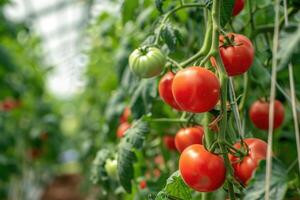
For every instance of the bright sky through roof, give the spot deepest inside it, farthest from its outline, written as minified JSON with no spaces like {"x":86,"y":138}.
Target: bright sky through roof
{"x":62,"y":41}
{"x":61,"y":50}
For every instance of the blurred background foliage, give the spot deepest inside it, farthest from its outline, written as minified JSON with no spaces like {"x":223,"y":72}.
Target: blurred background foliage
{"x":43,"y":136}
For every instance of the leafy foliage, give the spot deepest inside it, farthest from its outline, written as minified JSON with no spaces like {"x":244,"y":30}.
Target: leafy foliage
{"x":289,"y":47}
{"x":133,"y":140}
{"x":175,"y":188}
{"x":159,"y":5}
{"x":142,"y":98}
{"x":226,"y":11}
{"x":98,"y":171}
{"x":129,"y":10}
{"x":256,"y":188}
{"x":171,"y":36}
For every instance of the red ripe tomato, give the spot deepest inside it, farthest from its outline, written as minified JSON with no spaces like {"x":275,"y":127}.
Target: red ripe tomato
{"x":196,"y":89}
{"x":187,"y":136}
{"x":238,"y":7}
{"x":259,"y":114}
{"x":169,"y":142}
{"x":125,"y":115}
{"x":257,"y":151}
{"x":143,"y":184}
{"x":165,"y":90}
{"x":201,"y":170}
{"x":237,"y":58}
{"x":122,"y":129}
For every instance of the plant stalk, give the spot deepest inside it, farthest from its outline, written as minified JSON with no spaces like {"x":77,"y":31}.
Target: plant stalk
{"x":224,"y":83}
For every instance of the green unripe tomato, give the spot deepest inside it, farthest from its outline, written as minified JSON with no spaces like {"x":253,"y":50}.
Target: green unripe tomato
{"x":147,"y":62}
{"x":111,"y":168}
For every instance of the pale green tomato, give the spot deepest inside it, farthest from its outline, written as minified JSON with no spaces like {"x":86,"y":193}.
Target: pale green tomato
{"x":111,"y":168}
{"x":147,"y":62}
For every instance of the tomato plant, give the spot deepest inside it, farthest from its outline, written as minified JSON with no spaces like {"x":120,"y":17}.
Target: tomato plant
{"x":200,"y":169}
{"x":169,"y":142}
{"x":237,"y":53}
{"x":256,"y":150}
{"x":188,"y":136}
{"x":147,"y":62}
{"x":259,"y":114}
{"x":196,"y":89}
{"x":165,"y":90}
{"x":238,"y":7}
{"x":123,"y":127}
{"x":125,"y":115}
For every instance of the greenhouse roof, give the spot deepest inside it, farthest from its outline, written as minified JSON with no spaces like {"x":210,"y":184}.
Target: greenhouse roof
{"x":61,"y":25}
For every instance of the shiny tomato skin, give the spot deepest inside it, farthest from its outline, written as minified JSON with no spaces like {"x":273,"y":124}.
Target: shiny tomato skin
{"x":147,"y":62}
{"x":238,"y":58}
{"x":165,"y":90}
{"x":257,"y":151}
{"x":196,"y":89}
{"x":238,"y":7}
{"x":122,"y":129}
{"x":200,"y":169}
{"x":187,"y":136}
{"x":125,"y":115}
{"x":169,"y":142}
{"x":259,"y":114}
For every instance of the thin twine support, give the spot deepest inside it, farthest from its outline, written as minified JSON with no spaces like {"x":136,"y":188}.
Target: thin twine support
{"x":272,"y":99}
{"x":293,"y":95}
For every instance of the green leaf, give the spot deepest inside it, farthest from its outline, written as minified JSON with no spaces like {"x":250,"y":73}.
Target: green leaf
{"x":258,"y":73}
{"x":128,"y":10}
{"x":278,"y":186}
{"x":289,"y":44}
{"x":98,"y":173}
{"x":159,"y":5}
{"x":133,"y":140}
{"x":143,"y":96}
{"x":226,"y":11}
{"x":171,"y":36}
{"x":175,"y":188}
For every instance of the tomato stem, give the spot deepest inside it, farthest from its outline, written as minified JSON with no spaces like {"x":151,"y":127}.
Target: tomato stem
{"x":174,"y":62}
{"x":224,"y":84}
{"x":208,"y":137}
{"x":176,"y":120}
{"x":206,"y":44}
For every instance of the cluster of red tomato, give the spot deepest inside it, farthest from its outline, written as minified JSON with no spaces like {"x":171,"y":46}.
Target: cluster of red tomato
{"x":196,"y":89}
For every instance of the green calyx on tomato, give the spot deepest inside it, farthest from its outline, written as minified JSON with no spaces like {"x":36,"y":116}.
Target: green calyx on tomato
{"x":245,"y":166}
{"x":147,"y":62}
{"x":237,"y":53}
